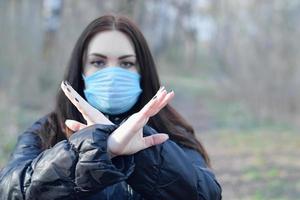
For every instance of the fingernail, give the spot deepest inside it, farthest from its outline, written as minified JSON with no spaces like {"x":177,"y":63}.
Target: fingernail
{"x":76,"y":100}
{"x":161,"y":88}
{"x":65,"y":83}
{"x":154,"y":97}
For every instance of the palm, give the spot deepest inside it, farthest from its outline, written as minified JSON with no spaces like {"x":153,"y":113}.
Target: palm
{"x":135,"y":144}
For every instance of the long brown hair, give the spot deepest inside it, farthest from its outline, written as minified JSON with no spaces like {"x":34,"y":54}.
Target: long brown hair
{"x":168,"y":120}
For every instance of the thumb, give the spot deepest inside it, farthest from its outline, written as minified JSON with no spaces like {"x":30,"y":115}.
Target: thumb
{"x":155,"y":139}
{"x":74,"y":125}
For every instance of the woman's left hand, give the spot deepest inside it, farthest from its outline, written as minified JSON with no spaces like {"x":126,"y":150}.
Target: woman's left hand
{"x":128,"y":138}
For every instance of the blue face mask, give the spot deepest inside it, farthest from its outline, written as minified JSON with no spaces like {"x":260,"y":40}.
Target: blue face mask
{"x":112,"y":90}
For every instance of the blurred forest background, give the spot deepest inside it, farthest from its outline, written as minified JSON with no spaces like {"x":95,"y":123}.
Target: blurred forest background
{"x":233,"y":64}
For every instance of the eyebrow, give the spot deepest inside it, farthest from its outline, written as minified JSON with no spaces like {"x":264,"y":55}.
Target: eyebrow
{"x":105,"y":57}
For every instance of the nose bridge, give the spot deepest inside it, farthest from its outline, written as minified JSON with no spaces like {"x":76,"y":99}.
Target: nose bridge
{"x":112,"y":61}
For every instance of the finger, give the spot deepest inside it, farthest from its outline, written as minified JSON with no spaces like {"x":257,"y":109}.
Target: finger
{"x":161,"y":88}
{"x":90,"y":114}
{"x":155,"y":109}
{"x":153,"y":102}
{"x":150,"y":105}
{"x":155,"y":139}
{"x":67,"y":89}
{"x":74,"y":125}
{"x":166,"y":100}
{"x":163,"y":99}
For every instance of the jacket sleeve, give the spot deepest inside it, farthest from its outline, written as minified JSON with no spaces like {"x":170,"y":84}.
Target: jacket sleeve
{"x":169,"y":171}
{"x":71,"y":169}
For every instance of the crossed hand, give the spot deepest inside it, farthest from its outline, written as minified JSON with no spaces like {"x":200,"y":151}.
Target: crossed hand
{"x":128,"y":137}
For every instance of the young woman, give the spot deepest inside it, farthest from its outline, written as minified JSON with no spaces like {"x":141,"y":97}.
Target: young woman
{"x":112,"y":134}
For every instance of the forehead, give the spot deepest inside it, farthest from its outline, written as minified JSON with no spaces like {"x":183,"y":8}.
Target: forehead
{"x":111,"y":43}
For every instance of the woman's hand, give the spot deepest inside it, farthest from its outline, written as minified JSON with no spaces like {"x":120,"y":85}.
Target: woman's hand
{"x":128,"y":138}
{"x":89,"y":113}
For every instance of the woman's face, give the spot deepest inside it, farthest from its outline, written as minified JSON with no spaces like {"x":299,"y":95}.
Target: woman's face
{"x":108,"y":49}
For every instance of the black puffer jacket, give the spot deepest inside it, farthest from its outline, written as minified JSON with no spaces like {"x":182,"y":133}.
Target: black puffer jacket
{"x":79,"y":168}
